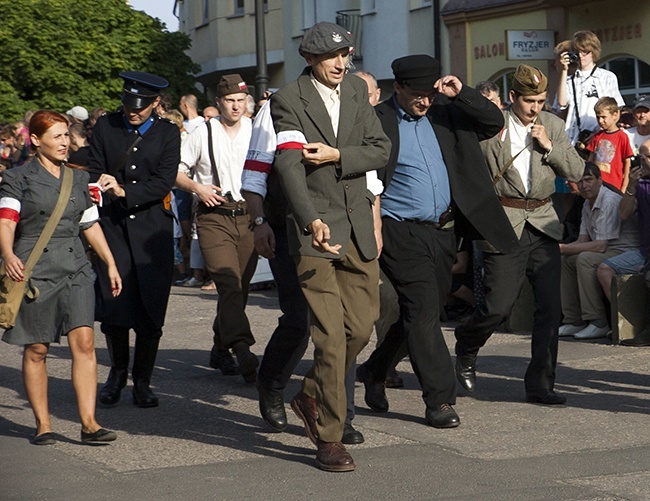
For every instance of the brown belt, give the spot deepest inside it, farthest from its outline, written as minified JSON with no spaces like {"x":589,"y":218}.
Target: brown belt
{"x":524,"y":203}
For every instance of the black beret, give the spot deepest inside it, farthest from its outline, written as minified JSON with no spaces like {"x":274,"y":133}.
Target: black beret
{"x":419,"y":71}
{"x":324,"y":38}
{"x":140,"y":88}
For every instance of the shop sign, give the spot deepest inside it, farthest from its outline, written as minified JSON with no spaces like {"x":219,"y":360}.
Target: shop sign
{"x":529,"y":44}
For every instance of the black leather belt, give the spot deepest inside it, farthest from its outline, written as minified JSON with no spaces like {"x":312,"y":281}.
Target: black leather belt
{"x":432,"y":224}
{"x":241,"y":211}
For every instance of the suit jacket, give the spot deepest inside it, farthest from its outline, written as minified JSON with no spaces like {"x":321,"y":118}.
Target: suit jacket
{"x":138,"y":229}
{"x":336,"y":194}
{"x":459,"y":125}
{"x":563,"y":161}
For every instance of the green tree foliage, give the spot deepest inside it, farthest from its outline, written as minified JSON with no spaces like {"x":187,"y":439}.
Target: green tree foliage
{"x":61,"y":53}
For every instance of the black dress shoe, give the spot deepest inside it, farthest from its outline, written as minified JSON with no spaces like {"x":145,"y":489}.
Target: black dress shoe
{"x":47,"y":438}
{"x":143,"y":396}
{"x":375,"y":395}
{"x":272,"y":408}
{"x":101,"y":435}
{"x":351,"y":436}
{"x":546,"y":397}
{"x":224,"y":361}
{"x":248,"y":363}
{"x":466,"y":371}
{"x":393,"y":379}
{"x":443,"y":416}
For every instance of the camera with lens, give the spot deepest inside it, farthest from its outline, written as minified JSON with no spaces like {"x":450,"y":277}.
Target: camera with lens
{"x":574,"y":57}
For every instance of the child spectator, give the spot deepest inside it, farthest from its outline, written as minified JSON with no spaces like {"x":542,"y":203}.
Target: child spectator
{"x":610,"y":148}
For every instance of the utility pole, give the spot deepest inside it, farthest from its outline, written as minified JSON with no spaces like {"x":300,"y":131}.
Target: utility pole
{"x":262,"y":76}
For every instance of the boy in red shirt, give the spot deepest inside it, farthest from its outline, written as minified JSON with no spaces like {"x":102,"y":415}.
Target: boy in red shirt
{"x":610,"y":148}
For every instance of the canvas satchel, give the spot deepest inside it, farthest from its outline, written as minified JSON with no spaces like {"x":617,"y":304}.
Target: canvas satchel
{"x":12,"y":293}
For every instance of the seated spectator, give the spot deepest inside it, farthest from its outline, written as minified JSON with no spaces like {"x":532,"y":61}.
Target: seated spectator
{"x":610,"y":148}
{"x":635,"y":202}
{"x":602,"y":235}
{"x":641,"y":132}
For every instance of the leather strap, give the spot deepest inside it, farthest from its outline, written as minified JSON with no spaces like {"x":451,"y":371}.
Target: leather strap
{"x":213,"y":163}
{"x":50,"y":226}
{"x":524,"y":203}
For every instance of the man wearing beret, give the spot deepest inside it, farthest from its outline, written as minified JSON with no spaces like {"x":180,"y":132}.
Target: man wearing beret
{"x":524,"y":159}
{"x":134,"y":156}
{"x":435,"y":178}
{"x":216,"y":150}
{"x":328,"y":137}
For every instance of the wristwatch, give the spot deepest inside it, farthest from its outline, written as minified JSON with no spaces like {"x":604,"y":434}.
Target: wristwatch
{"x":258,"y":221}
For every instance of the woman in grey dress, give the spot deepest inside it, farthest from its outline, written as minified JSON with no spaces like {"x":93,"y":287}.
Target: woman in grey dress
{"x":65,"y":306}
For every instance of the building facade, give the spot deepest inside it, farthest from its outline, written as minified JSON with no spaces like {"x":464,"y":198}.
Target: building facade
{"x":479,"y":49}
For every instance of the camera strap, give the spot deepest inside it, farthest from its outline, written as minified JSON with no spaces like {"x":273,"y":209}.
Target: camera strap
{"x":575,"y":96}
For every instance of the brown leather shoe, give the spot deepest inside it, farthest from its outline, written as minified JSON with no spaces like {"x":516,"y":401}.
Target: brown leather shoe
{"x":305,"y":409}
{"x":332,"y":456}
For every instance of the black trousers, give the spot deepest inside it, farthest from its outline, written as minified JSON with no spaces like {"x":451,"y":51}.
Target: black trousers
{"x":417,"y":259}
{"x":537,"y":259}
{"x":290,"y":338}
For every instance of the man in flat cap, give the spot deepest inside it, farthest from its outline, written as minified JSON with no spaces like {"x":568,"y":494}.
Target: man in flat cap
{"x":216,"y":151}
{"x":435,"y":179}
{"x":134,"y":156}
{"x":328,"y":137}
{"x":524,"y":159}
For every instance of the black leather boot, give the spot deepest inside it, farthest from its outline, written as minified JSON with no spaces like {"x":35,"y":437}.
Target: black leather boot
{"x":117,"y":342}
{"x":146,"y":349}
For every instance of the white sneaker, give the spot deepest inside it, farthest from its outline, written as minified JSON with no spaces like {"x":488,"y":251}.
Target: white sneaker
{"x":592,"y":332}
{"x":567,"y":330}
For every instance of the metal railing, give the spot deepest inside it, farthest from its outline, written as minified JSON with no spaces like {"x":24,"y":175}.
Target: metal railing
{"x":351,"y":21}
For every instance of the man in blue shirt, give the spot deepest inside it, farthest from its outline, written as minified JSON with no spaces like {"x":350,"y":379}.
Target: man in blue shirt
{"x":435,"y":125}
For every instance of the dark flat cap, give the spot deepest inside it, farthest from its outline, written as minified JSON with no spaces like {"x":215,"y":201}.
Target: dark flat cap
{"x":529,"y":81}
{"x":231,"y":84}
{"x":323,"y":38}
{"x":642,"y":102}
{"x":140,"y":88}
{"x":418,"y":71}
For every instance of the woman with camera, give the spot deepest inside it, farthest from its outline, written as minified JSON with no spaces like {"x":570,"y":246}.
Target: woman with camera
{"x":64,"y":305}
{"x":577,"y":94}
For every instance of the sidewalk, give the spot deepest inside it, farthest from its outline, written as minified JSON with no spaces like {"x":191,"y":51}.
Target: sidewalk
{"x":207,"y":441}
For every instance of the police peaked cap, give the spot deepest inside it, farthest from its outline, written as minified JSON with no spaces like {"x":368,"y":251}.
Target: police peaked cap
{"x":140,"y":88}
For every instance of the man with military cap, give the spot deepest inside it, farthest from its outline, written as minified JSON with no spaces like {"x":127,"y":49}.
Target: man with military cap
{"x":524,"y":159}
{"x":328,"y":137}
{"x":435,"y":179}
{"x":216,"y":152}
{"x":134,"y":156}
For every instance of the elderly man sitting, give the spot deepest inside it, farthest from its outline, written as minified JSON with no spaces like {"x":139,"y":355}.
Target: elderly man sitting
{"x":603,"y":234}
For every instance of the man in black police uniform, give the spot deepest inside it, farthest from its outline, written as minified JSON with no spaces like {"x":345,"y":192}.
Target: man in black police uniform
{"x":134,"y":155}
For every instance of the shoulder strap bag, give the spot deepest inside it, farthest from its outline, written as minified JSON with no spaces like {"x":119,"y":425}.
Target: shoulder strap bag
{"x":12,"y":293}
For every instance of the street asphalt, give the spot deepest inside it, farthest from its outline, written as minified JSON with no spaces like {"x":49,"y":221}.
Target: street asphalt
{"x":207,"y":441}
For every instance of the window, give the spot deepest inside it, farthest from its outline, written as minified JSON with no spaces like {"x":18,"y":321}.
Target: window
{"x":205,"y":13}
{"x":239,"y":8}
{"x":633,"y":77}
